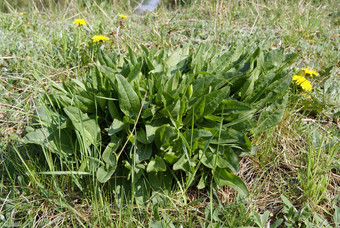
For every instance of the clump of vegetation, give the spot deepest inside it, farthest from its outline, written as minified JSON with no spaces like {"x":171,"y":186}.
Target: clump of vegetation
{"x":142,"y":119}
{"x":194,"y":125}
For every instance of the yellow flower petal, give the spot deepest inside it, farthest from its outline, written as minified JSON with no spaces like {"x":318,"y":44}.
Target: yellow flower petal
{"x":122,"y":16}
{"x":99,"y":38}
{"x":79,"y":22}
{"x":303,"y":83}
{"x":306,"y":86}
{"x":310,"y":72}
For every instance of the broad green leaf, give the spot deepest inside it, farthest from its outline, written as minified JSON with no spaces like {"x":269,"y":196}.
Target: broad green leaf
{"x":60,"y":142}
{"x":122,"y":187}
{"x":95,"y":76}
{"x":246,"y":148}
{"x":156,"y":164}
{"x":133,"y":57}
{"x":170,"y":157}
{"x":175,"y":57}
{"x":228,"y":159}
{"x":125,"y":70}
{"x":331,"y":96}
{"x":277,"y":223}
{"x":195,"y":135}
{"x":216,"y":118}
{"x":161,"y":224}
{"x":198,"y":87}
{"x":142,"y":191}
{"x":272,"y":115}
{"x":109,"y":156}
{"x":160,"y":181}
{"x":214,"y":99}
{"x":79,"y":85}
{"x":108,"y":72}
{"x":165,"y":136}
{"x":116,"y":126}
{"x":150,"y":131}
{"x":129,"y":101}
{"x":260,"y":85}
{"x":141,"y":136}
{"x":104,"y":59}
{"x":287,"y":202}
{"x":144,"y":152}
{"x":38,"y":136}
{"x":157,"y":224}
{"x":197,"y":59}
{"x":148,"y":66}
{"x":182,"y":164}
{"x":85,"y":104}
{"x":220,"y":62}
{"x":155,"y":212}
{"x":247,"y":87}
{"x":196,"y":111}
{"x":173,"y":110}
{"x":113,"y":57}
{"x":208,"y":158}
{"x":149,"y":112}
{"x":48,"y":117}
{"x":104,"y":173}
{"x":171,"y":85}
{"x":100,"y":98}
{"x":234,"y":105}
{"x":87,"y":127}
{"x":183,"y":108}
{"x":57,"y":140}
{"x":113,"y":110}
{"x":273,"y":60}
{"x":235,"y":55}
{"x":223,"y":177}
{"x":134,"y":72}
{"x":100,"y":58}
{"x":203,"y":181}
{"x":256,"y":61}
{"x":275,"y":90}
{"x":182,"y":65}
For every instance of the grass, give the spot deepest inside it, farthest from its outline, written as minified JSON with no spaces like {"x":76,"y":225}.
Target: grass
{"x":298,"y":159}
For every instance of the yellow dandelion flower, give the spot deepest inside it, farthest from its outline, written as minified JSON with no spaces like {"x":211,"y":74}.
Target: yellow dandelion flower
{"x":79,"y":22}
{"x":306,"y":86}
{"x":122,"y":16}
{"x":99,"y":38}
{"x":303,"y":82}
{"x":310,"y":72}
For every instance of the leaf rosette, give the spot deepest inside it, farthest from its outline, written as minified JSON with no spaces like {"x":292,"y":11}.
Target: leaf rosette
{"x":162,"y":114}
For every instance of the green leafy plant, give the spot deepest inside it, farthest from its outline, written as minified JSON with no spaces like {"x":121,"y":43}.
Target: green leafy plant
{"x":303,"y":217}
{"x":261,"y":221}
{"x":163,"y":116}
{"x":319,"y":160}
{"x":327,"y":99}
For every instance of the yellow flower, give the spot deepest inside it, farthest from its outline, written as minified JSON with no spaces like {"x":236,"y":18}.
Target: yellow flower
{"x":123,"y":16}
{"x":79,"y":22}
{"x":310,"y":72}
{"x":303,"y":82}
{"x":99,"y":38}
{"x":21,"y":13}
